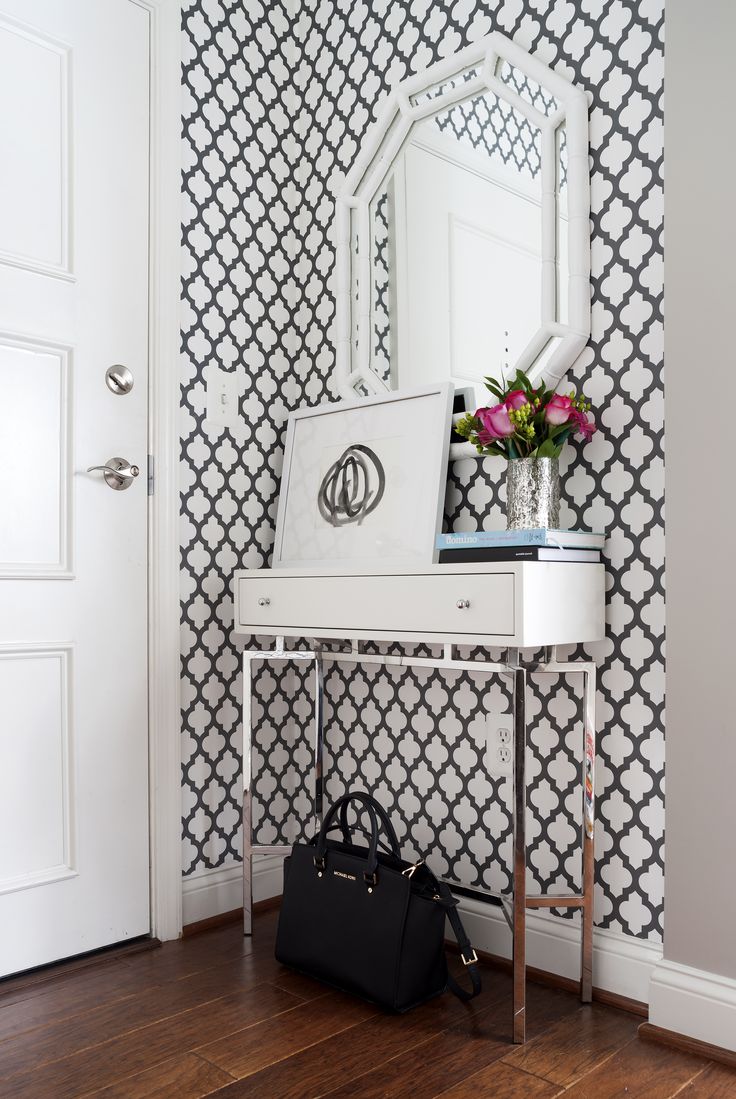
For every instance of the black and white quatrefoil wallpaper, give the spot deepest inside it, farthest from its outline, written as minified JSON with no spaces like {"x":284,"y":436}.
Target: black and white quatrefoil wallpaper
{"x":277,"y":98}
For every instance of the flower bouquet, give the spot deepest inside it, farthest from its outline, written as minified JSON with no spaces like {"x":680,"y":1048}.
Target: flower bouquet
{"x":527,"y":422}
{"x":529,"y":426}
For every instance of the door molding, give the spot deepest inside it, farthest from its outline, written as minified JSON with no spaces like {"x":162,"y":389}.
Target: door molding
{"x":163,"y":419}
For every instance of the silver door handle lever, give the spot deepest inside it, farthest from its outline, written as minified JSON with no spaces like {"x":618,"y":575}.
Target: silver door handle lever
{"x":118,"y":472}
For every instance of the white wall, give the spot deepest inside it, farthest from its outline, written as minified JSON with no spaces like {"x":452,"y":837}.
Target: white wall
{"x":700,"y":300}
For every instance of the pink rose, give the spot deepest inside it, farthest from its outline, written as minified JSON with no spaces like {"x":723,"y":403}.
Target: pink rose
{"x":516,"y":398}
{"x":496,"y":423}
{"x":559,"y":410}
{"x":583,"y":426}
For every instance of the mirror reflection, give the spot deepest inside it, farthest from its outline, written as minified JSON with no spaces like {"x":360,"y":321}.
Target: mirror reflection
{"x":456,"y":246}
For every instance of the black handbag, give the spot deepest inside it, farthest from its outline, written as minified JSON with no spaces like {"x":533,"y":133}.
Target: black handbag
{"x":366,"y":921}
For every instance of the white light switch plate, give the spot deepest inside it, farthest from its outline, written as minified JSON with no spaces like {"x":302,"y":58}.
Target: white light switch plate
{"x":499,"y":744}
{"x":222,"y":397}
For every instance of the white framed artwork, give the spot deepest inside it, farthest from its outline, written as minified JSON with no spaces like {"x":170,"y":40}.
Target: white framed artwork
{"x":364,"y":481}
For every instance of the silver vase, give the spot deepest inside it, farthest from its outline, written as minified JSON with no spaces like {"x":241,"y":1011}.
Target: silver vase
{"x":532,"y":493}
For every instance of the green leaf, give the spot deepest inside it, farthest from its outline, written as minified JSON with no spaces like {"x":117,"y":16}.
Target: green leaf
{"x":512,"y":448}
{"x":548,"y":449}
{"x":558,"y":429}
{"x":493,"y":387}
{"x":522,"y":382}
{"x":562,"y":438}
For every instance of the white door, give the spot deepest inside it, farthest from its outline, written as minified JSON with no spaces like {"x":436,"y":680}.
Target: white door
{"x":74,"y":122}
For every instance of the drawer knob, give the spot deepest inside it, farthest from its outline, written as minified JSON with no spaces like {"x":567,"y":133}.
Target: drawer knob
{"x":264,"y":601}
{"x":463,"y":604}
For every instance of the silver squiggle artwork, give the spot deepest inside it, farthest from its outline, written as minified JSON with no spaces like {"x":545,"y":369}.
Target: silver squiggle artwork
{"x":352,"y":487}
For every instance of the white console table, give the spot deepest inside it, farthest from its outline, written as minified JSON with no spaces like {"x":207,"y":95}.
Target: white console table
{"x":509,"y":605}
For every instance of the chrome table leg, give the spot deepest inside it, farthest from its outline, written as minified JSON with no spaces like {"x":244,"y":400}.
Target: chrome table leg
{"x":247,"y":797}
{"x":586,"y":948}
{"x":319,"y":746}
{"x":519,"y":871}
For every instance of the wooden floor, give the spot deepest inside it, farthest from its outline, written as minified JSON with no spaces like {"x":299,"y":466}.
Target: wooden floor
{"x":216,"y":1015}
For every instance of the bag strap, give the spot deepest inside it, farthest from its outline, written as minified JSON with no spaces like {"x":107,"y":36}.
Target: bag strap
{"x":467,"y":953}
{"x":330,"y":820}
{"x":368,"y":802}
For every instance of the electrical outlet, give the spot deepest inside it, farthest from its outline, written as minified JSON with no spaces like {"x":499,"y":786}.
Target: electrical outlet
{"x":499,"y":741}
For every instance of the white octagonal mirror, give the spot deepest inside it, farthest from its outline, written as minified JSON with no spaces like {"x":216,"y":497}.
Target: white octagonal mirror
{"x":463,"y":236}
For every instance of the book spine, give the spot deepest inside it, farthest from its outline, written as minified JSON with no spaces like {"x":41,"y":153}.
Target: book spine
{"x":489,"y":554}
{"x":518,"y":553}
{"x":490,"y":539}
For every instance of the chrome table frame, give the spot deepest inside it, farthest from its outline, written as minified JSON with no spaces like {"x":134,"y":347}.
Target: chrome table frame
{"x":516,"y":903}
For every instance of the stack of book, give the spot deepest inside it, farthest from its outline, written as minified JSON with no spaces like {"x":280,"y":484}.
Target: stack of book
{"x":539,"y":544}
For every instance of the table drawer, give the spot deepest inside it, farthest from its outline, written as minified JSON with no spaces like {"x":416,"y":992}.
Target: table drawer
{"x":384,"y":605}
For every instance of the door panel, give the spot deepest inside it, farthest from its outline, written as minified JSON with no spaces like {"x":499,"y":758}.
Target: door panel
{"x":34,"y":126}
{"x":35,"y":740}
{"x":74,"y":127}
{"x":34,"y":457}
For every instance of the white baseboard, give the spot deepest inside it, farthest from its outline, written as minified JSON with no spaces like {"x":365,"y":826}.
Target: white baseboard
{"x":209,"y":893}
{"x":622,"y":964}
{"x":694,"y":1002}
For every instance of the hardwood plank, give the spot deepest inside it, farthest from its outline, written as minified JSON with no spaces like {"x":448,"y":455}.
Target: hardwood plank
{"x":187,"y":1077}
{"x":183,"y":957}
{"x":30,"y":981}
{"x":66,"y":1036}
{"x":88,"y":990}
{"x":73,"y":991}
{"x":78,"y":992}
{"x":639,"y":1071}
{"x":329,"y":1064}
{"x":163,"y":962}
{"x":246,"y":1052}
{"x":62,"y":978}
{"x":306,"y":988}
{"x":466,"y":1046}
{"x":128,"y":1054}
{"x":503,"y":1081}
{"x":714,"y":1082}
{"x":574,"y":1046}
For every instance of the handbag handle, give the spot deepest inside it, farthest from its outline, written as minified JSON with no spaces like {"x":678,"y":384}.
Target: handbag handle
{"x":374,"y":811}
{"x":359,"y":795}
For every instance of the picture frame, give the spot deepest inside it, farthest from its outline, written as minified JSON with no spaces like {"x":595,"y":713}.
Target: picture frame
{"x":364,"y":481}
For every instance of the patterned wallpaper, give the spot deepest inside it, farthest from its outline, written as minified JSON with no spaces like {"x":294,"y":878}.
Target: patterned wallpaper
{"x":277,"y":99}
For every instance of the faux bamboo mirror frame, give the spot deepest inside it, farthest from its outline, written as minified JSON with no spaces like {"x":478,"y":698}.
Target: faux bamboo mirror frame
{"x":549,"y":304}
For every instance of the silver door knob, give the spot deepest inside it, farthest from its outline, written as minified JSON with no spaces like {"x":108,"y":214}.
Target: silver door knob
{"x":118,"y":472}
{"x":118,"y":379}
{"x":463,"y":604}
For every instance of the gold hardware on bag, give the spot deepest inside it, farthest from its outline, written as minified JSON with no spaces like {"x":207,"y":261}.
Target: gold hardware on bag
{"x":471,"y":960}
{"x":410,"y":869}
{"x":340,"y":874}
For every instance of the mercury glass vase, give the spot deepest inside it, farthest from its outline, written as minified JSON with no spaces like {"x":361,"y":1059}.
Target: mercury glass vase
{"x":532,"y":493}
